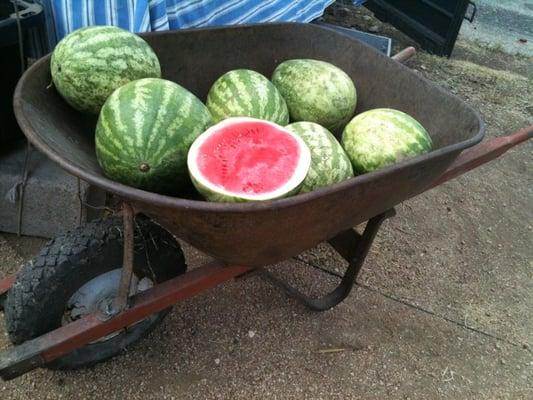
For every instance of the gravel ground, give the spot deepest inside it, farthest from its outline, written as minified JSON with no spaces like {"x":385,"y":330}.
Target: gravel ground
{"x":246,"y":340}
{"x":443,"y":310}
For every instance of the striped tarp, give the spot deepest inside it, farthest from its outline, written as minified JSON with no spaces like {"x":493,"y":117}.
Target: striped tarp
{"x":156,"y":15}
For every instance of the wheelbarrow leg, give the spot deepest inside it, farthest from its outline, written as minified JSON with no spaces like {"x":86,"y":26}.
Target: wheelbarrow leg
{"x":351,"y":246}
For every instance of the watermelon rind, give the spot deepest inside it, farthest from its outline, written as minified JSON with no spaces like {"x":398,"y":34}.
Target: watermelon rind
{"x":144,"y":132}
{"x":215,"y":193}
{"x":329,"y":162}
{"x":90,"y":63}
{"x":246,"y":93}
{"x":316,"y":91}
{"x":382,"y":137}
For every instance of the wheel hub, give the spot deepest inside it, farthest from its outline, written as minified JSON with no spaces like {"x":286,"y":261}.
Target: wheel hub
{"x":96,"y":296}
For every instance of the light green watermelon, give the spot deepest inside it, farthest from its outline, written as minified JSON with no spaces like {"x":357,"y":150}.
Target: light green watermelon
{"x":316,"y":91}
{"x":381,"y":137}
{"x":243,"y":159}
{"x":90,"y":63}
{"x":246,"y":93}
{"x":144,"y":132}
{"x":329,"y":162}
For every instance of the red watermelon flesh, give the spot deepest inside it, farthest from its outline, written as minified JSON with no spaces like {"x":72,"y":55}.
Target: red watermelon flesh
{"x":245,"y":159}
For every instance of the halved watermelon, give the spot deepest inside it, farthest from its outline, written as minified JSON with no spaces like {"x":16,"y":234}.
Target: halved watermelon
{"x":247,"y":159}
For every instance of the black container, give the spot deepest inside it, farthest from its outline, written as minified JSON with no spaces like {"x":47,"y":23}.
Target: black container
{"x":32,"y":25}
{"x":434,"y":24}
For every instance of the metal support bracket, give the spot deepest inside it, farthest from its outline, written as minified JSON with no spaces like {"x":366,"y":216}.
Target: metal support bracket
{"x":354,"y":248}
{"x":120,"y":303}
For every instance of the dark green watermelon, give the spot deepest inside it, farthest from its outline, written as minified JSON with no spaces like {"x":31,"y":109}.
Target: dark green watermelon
{"x":144,"y":132}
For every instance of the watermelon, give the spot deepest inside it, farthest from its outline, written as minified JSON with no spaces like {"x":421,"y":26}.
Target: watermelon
{"x":247,"y":159}
{"x":144,"y":132}
{"x":381,"y":137}
{"x":246,"y":93}
{"x":329,"y":162}
{"x":316,"y":91}
{"x":90,"y":63}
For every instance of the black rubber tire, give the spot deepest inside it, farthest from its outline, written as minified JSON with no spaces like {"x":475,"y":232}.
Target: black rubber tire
{"x":36,"y":303}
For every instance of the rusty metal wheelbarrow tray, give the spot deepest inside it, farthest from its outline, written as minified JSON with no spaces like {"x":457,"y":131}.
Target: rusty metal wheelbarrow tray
{"x":257,"y":234}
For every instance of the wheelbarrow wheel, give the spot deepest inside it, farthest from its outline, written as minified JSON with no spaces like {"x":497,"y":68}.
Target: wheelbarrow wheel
{"x":79,"y":273}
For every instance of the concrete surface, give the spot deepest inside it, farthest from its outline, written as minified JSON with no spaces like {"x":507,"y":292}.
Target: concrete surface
{"x":503,"y":23}
{"x":51,"y":203}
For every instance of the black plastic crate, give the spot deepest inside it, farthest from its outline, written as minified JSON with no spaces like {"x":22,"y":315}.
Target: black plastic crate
{"x":434,"y":24}
{"x":32,"y":26}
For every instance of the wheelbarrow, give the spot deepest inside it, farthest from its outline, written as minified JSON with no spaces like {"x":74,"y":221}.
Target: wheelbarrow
{"x":99,"y":288}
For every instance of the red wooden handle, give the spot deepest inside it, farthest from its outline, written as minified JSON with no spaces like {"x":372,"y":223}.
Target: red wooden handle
{"x":6,"y":283}
{"x":483,"y":153}
{"x":404,"y":55}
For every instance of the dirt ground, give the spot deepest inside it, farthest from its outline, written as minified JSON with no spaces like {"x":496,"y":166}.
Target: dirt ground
{"x":443,"y":310}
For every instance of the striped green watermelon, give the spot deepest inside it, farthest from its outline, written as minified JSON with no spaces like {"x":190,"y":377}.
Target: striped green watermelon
{"x":246,"y":93}
{"x":381,"y":137}
{"x":90,"y":63}
{"x":246,"y":159}
{"x":316,"y":91}
{"x":144,"y":132}
{"x":329,"y":162}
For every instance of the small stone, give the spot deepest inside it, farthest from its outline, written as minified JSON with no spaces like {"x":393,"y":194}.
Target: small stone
{"x":489,"y":229}
{"x":423,"y":67}
{"x":217,"y":361}
{"x":251,"y":334}
{"x":503,"y":362}
{"x":373,"y":29}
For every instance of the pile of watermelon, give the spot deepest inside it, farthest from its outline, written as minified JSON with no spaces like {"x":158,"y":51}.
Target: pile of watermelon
{"x":254,"y":139}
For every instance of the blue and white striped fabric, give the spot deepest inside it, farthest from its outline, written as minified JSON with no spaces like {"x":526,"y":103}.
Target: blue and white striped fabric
{"x":157,"y":15}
